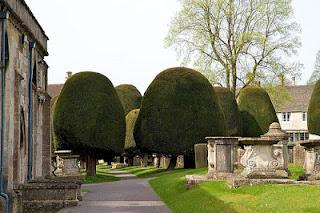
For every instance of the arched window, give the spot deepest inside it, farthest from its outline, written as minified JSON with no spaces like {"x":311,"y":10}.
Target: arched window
{"x":34,"y":74}
{"x":7,"y":52}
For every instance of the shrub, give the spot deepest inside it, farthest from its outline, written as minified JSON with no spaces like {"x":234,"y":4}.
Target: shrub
{"x":230,"y":110}
{"x":129,"y":96}
{"x":314,"y":111}
{"x":88,"y":114}
{"x":256,"y":110}
{"x":54,"y":142}
{"x":178,"y":110}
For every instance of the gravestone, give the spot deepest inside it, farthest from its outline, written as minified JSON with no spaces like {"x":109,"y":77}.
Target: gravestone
{"x":201,"y":155}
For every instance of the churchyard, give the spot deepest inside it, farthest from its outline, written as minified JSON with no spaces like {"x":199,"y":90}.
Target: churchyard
{"x":200,"y":139}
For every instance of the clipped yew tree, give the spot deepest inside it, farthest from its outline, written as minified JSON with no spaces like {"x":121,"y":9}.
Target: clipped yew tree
{"x":178,"y":110}
{"x":88,"y":117}
{"x":130,"y":143}
{"x":256,"y":110}
{"x":230,"y":110}
{"x":314,"y":111}
{"x":54,"y":143}
{"x":129,"y":96}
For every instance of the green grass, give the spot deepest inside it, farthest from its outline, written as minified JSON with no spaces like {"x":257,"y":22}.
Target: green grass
{"x":296,"y":171}
{"x":218,"y":197}
{"x":102,"y":176}
{"x":145,"y":172}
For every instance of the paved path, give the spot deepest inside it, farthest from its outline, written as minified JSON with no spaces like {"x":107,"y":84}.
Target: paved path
{"x":130,"y":194}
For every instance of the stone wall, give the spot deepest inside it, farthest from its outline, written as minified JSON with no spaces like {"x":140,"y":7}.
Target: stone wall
{"x":21,"y":30}
{"x":28,"y":22}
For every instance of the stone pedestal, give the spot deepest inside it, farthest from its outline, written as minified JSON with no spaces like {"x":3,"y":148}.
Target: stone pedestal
{"x":264,"y":157}
{"x":66,"y":164}
{"x":262,"y":160}
{"x":220,"y":156}
{"x":312,"y":159}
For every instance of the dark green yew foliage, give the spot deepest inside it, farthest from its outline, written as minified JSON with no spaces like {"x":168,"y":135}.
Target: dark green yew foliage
{"x":88,"y":115}
{"x":314,"y":111}
{"x":129,"y":96}
{"x":230,"y":110}
{"x":256,"y":110}
{"x":178,"y":110}
{"x":54,"y":142}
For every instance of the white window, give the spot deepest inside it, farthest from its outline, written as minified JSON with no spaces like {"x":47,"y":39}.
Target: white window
{"x":304,"y":116}
{"x":286,"y":116}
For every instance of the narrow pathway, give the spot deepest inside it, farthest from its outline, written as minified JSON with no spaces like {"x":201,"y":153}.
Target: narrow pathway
{"x":130,"y":194}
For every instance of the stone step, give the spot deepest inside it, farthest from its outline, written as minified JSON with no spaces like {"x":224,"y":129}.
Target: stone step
{"x":50,"y":192}
{"x":49,"y":206}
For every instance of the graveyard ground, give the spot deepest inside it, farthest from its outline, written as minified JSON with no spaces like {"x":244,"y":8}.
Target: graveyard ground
{"x":218,"y":197}
{"x":102,"y":175}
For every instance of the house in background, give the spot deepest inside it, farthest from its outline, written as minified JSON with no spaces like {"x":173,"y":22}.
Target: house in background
{"x":55,"y":89}
{"x":293,"y":115}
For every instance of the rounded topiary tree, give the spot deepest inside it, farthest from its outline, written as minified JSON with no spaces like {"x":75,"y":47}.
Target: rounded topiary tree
{"x":129,"y":96}
{"x":256,"y":110}
{"x":230,"y":110}
{"x":178,"y":110}
{"x":54,"y":142}
{"x":130,"y":143}
{"x":88,"y":117}
{"x":314,"y":111}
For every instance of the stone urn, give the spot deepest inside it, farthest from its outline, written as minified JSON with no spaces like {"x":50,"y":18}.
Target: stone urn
{"x":264,"y":157}
{"x":312,"y":159}
{"x":221,"y":156}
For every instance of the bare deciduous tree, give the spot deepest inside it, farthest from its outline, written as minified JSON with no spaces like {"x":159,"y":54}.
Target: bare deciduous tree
{"x":241,"y":40}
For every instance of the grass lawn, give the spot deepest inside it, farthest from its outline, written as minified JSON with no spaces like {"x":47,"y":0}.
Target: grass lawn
{"x":102,"y":175}
{"x":218,"y":197}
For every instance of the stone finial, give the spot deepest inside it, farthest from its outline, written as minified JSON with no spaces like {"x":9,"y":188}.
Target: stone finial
{"x":275,"y":132}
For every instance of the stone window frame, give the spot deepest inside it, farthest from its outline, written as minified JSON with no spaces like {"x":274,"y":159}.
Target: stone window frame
{"x":304,"y":116}
{"x":286,"y":116}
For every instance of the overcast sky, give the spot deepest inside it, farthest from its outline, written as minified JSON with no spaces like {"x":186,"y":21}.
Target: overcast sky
{"x":123,"y":39}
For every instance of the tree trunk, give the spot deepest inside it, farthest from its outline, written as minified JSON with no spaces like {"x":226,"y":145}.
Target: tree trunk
{"x":130,"y":161}
{"x":173,"y":162}
{"x":91,"y":165}
{"x":189,"y":161}
{"x":82,"y":164}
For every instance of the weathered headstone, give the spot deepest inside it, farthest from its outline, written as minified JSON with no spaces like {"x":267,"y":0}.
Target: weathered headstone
{"x":221,"y":156}
{"x":201,"y":155}
{"x":312,"y":159}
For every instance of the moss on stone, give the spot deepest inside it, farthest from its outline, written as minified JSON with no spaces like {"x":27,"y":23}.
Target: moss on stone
{"x":129,"y":96}
{"x":314,"y":111}
{"x":178,"y":110}
{"x":230,"y":110}
{"x":88,"y":114}
{"x":256,"y":110}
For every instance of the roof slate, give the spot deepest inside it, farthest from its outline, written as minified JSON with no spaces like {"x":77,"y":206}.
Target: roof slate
{"x":54,"y":89}
{"x":300,"y":97}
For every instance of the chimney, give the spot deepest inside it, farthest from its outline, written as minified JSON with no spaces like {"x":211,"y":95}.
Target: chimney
{"x":68,"y":75}
{"x":293,"y":81}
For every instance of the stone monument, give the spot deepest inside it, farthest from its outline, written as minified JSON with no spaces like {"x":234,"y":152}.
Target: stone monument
{"x":221,"y":157}
{"x":312,"y":159}
{"x":264,"y":157}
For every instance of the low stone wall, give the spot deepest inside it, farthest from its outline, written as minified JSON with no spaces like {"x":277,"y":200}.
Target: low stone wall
{"x":47,"y":195}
